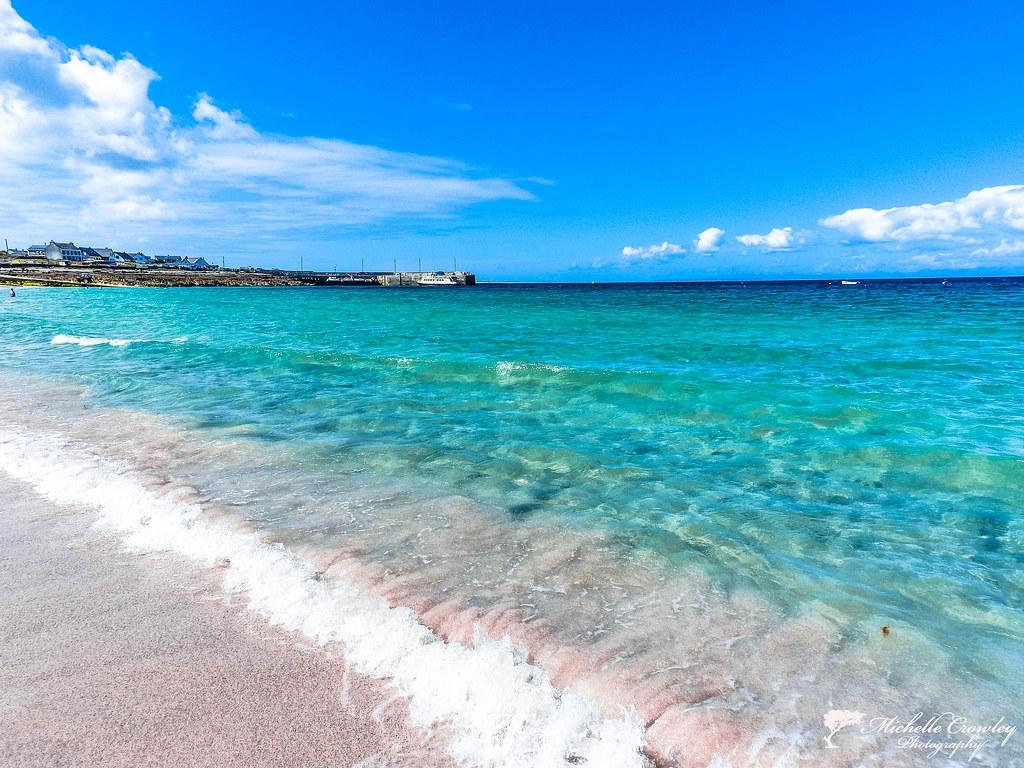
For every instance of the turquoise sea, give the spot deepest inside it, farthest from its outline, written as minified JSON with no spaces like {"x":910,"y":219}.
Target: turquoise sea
{"x":712,"y":497}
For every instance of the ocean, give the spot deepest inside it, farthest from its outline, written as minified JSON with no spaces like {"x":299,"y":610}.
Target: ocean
{"x":574,"y":522}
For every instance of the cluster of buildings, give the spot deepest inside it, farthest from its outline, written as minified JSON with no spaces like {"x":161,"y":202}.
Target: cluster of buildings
{"x":69,"y":253}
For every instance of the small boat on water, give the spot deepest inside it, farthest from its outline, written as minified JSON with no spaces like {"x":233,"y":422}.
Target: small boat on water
{"x":849,"y":282}
{"x":438,"y":278}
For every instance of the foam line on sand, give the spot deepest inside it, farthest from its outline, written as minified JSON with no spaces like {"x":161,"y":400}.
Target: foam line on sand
{"x":500,"y":710}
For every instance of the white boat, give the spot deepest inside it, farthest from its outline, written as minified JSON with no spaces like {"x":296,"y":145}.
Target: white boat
{"x":438,"y":278}
{"x":849,"y":282}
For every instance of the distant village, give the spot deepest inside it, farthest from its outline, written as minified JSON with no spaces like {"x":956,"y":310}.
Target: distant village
{"x":84,"y":256}
{"x":67,"y":264}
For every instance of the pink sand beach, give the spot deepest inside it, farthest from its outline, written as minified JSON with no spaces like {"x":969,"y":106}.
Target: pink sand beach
{"x":116,"y":659}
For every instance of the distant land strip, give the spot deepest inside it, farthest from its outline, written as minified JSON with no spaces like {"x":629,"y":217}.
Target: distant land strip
{"x":100,"y":277}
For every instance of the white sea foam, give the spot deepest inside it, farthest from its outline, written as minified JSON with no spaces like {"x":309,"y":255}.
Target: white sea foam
{"x":89,"y":341}
{"x":508,"y":367}
{"x":502,"y":710}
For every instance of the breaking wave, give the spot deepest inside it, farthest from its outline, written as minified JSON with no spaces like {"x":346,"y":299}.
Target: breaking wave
{"x":90,"y":341}
{"x":502,"y":710}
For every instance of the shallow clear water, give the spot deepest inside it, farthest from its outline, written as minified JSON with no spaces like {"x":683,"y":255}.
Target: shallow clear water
{"x":847,"y":452}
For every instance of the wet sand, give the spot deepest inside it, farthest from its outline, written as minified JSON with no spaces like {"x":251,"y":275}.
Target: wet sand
{"x":114,"y":659}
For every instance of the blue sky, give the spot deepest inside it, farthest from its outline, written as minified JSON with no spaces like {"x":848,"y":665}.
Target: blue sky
{"x":583,"y":141}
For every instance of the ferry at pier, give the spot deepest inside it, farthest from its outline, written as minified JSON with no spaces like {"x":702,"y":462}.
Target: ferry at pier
{"x":438,"y":278}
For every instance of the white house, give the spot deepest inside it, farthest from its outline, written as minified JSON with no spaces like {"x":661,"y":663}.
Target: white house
{"x":63,"y":252}
{"x":168,"y":261}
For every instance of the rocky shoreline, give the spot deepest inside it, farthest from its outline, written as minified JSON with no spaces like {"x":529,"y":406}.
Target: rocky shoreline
{"x":153,"y":278}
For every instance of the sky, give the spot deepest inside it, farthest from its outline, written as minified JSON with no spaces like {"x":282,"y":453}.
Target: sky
{"x":529,"y":141}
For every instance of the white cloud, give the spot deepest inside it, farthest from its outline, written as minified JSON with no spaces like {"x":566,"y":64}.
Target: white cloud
{"x":86,"y":153}
{"x":709,"y":240}
{"x":221,"y":124}
{"x":944,"y":260}
{"x":652,"y":252}
{"x":17,"y":34}
{"x":1005,"y":248}
{"x":777,"y":239}
{"x":992,"y":207}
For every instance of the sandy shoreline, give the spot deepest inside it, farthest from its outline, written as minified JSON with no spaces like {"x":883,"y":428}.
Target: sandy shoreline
{"x":113,"y":659}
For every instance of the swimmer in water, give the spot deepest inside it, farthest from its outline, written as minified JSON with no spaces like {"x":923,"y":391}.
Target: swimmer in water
{"x":13,"y":294}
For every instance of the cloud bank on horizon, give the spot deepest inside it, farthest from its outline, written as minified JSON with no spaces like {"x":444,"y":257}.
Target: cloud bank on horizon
{"x":706,"y":242}
{"x":973,"y":231}
{"x":85,"y":151}
{"x":993,"y":208}
{"x":662,"y":252}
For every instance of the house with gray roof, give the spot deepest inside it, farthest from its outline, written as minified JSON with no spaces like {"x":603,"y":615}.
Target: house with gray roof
{"x":64,"y":252}
{"x":168,"y":261}
{"x":115,"y":258}
{"x":91,"y":254}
